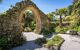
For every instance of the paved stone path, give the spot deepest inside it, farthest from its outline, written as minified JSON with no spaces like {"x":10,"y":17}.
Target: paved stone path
{"x":71,"y":42}
{"x":30,"y":45}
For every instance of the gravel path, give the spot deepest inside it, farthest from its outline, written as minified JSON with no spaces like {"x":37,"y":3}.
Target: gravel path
{"x":71,"y":42}
{"x":30,"y":45}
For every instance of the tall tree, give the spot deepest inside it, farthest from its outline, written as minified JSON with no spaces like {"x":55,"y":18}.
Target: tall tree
{"x":70,"y":9}
{"x":0,"y":1}
{"x":74,"y":1}
{"x":76,"y":11}
{"x":61,"y":12}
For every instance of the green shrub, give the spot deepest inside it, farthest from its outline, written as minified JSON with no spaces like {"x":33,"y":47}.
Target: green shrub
{"x":51,"y":29}
{"x":9,"y":41}
{"x":61,"y":30}
{"x":48,"y":31}
{"x":76,"y":28}
{"x":79,"y":29}
{"x":45,"y":32}
{"x":55,"y":41}
{"x":52,"y":26}
{"x":40,"y":41}
{"x":3,"y":42}
{"x":0,"y":48}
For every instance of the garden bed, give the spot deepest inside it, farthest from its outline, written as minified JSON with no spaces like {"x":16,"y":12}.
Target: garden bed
{"x":54,"y":43}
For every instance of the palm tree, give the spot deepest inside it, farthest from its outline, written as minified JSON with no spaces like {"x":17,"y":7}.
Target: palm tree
{"x":61,"y":12}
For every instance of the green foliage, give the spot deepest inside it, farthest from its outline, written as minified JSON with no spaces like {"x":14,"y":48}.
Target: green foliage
{"x":29,"y":20}
{"x":50,"y":16}
{"x":71,"y":15}
{"x":69,"y":9}
{"x":76,"y":8}
{"x":75,"y":28}
{"x":74,"y":1}
{"x":61,"y":11}
{"x":9,"y":41}
{"x":48,"y":31}
{"x":55,"y":41}
{"x":61,"y":30}
{"x":40,"y":41}
{"x":0,"y":1}
{"x":76,"y":14}
{"x":52,"y":26}
{"x":79,"y":29}
{"x":33,"y":25}
{"x":45,"y":32}
{"x":66,"y":28}
{"x":3,"y":42}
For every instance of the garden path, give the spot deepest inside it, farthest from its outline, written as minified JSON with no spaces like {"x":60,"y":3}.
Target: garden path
{"x":30,"y":45}
{"x":71,"y":42}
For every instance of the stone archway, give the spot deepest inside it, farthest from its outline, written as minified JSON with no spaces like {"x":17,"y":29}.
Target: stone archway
{"x":41,"y":19}
{"x":11,"y":23}
{"x":13,"y":20}
{"x":36,"y":15}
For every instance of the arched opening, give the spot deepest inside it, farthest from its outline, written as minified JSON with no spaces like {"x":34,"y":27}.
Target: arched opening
{"x":29,"y":21}
{"x":36,"y":17}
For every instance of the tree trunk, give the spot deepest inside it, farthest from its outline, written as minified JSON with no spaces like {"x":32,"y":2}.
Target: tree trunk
{"x":60,"y":22}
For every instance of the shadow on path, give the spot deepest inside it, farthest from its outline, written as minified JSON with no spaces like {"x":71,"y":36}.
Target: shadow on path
{"x":30,"y":44}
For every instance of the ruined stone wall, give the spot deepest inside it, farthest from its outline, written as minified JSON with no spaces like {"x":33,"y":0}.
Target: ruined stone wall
{"x":10,"y":21}
{"x":10,"y":24}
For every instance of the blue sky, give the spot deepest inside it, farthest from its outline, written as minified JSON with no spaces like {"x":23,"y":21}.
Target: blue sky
{"x":45,"y":5}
